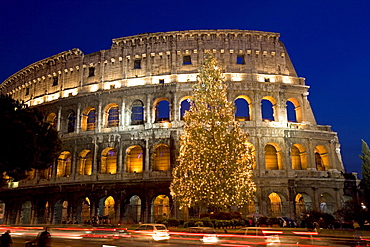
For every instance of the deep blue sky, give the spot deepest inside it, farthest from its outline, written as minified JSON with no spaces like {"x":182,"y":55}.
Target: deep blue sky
{"x":327,"y":40}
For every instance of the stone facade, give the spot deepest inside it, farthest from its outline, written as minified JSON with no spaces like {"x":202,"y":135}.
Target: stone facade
{"x":119,"y":114}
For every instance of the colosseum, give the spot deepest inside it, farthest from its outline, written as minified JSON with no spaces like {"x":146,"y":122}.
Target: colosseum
{"x":119,"y":114}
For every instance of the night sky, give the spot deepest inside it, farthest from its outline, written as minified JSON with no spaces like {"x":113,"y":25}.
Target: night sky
{"x":328,"y":42}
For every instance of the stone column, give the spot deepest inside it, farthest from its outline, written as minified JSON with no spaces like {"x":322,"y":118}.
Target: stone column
{"x":147,"y":165}
{"x":59,"y":117}
{"x":123,"y":119}
{"x":149,"y":112}
{"x":316,"y":201}
{"x":338,"y":198}
{"x":78,"y":119}
{"x":257,"y":112}
{"x":74,"y":164}
{"x":117,"y":212}
{"x":95,"y":157}
{"x":99,"y":119}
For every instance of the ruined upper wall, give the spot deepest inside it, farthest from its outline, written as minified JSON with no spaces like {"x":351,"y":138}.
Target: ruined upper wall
{"x":148,"y":58}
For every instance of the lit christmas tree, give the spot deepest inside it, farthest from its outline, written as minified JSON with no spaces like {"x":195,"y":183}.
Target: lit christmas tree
{"x":214,"y":167}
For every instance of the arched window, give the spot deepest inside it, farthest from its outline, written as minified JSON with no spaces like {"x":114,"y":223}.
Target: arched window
{"x":322,"y":158}
{"x":64,"y":164}
{"x":290,"y":112}
{"x":85,"y":212}
{"x":45,"y":173}
{"x":161,"y":207}
{"x":275,"y":206}
{"x":85,"y":162}
{"x":294,"y":111}
{"x":268,"y":107}
{"x":106,"y":208}
{"x":108,"y":161}
{"x":303,"y":204}
{"x":91,"y":118}
{"x":71,"y":124}
{"x":162,"y":111}
{"x":88,"y":119}
{"x":112,"y":115}
{"x":243,"y":108}
{"x":133,"y":209}
{"x":135,"y":159}
{"x":137,"y":113}
{"x":327,"y":203}
{"x":161,"y":161}
{"x":273,"y":157}
{"x":184,"y":107}
{"x":299,"y":157}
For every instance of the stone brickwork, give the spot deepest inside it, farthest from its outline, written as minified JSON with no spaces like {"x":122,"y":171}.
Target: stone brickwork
{"x":298,"y":163}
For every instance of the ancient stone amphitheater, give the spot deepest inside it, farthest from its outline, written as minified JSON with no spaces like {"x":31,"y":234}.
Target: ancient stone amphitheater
{"x":119,"y":114}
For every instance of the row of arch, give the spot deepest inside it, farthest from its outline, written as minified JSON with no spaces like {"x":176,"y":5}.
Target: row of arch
{"x":84,"y":212}
{"x":162,"y":112}
{"x":298,"y":155}
{"x":108,"y":163}
{"x":161,"y":160}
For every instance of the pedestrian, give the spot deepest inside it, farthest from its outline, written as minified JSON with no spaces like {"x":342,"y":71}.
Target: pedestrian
{"x":43,"y":238}
{"x":6,"y":239}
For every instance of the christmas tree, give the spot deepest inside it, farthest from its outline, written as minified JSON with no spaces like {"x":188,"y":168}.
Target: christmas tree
{"x":214,"y":167}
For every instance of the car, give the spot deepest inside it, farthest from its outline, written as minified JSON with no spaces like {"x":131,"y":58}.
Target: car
{"x":151,"y":233}
{"x":195,"y":236}
{"x":257,"y":236}
{"x":99,"y":233}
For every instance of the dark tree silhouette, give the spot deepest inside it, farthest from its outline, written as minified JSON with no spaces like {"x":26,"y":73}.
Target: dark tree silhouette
{"x":27,"y":140}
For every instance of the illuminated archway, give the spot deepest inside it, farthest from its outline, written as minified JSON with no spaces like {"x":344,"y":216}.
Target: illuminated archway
{"x":161,"y":158}
{"x":111,"y":115}
{"x":85,"y":210}
{"x":303,"y":204}
{"x":185,"y":106}
{"x":243,"y":105}
{"x":294,"y":110}
{"x":85,"y":163}
{"x":135,"y":159}
{"x":88,"y":120}
{"x":269,"y":109}
{"x":273,"y":157}
{"x":137,"y":113}
{"x":160,"y":207}
{"x":64,"y":164}
{"x":298,"y":155}
{"x":162,"y":110}
{"x":275,"y":206}
{"x":322,"y":158}
{"x":107,"y":210}
{"x":108,"y":161}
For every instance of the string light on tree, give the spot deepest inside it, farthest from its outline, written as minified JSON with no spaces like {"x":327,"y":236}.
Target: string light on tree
{"x":214,"y":167}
